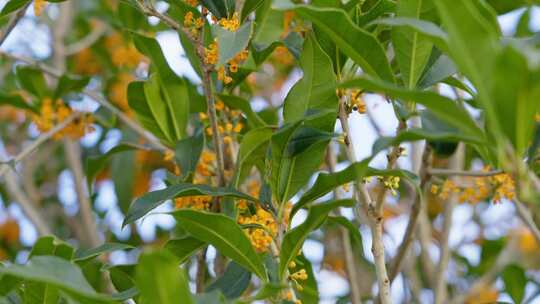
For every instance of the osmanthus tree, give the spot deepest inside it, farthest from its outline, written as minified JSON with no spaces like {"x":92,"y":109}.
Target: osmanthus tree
{"x":239,"y":160}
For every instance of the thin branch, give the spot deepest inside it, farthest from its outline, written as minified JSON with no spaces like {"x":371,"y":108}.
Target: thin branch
{"x":88,"y":40}
{"x":527,"y":218}
{"x":26,"y":204}
{"x":456,"y":163}
{"x":36,"y":143}
{"x":95,"y":96}
{"x":413,"y":220}
{"x":445,"y":172}
{"x":374,"y":219}
{"x":13,"y":22}
{"x":350,"y":262}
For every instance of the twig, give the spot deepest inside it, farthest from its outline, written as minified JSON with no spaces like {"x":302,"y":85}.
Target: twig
{"x":36,"y":143}
{"x":350,"y":262}
{"x":436,"y":171}
{"x":87,"y":41}
{"x":413,"y":220}
{"x":527,"y":218}
{"x":97,"y":97}
{"x":456,"y":163}
{"x":374,"y":219}
{"x":26,"y":204}
{"x":13,"y":22}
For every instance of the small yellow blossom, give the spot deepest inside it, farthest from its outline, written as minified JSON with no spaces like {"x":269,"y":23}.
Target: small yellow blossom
{"x":231,"y":24}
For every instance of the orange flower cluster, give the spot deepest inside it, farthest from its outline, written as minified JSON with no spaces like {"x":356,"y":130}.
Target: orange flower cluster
{"x":229,"y":129}
{"x":231,"y":24}
{"x":118,"y":91}
{"x":194,"y":25}
{"x":57,"y":112}
{"x":123,"y":54}
{"x":261,"y":236}
{"x":211,"y":53}
{"x":201,"y":202}
{"x":357,"y":103}
{"x":499,"y":186}
{"x":10,"y":231}
{"x":527,"y":242}
{"x":86,"y":63}
{"x":232,"y":67}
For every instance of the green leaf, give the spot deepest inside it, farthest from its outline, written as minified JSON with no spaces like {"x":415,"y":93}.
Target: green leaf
{"x":183,"y":248}
{"x":144,"y":204}
{"x":235,"y":102}
{"x":33,"y":81}
{"x":444,"y":108}
{"x":252,"y":150}
{"x":16,"y":101}
{"x":232,"y":43}
{"x":291,"y":171}
{"x":234,"y":281}
{"x":309,"y":293}
{"x":94,"y":165}
{"x":137,"y":102}
{"x":381,"y":8}
{"x":188,"y":151}
{"x":56,"y":272}
{"x":50,"y":245}
{"x":515,"y":99}
{"x":223,"y":233}
{"x":12,"y":6}
{"x":158,"y":108}
{"x":412,"y":49}
{"x":68,"y":84}
{"x":427,"y":29}
{"x":174,"y":92}
{"x":220,"y":8}
{"x":88,"y":254}
{"x":326,"y":182}
{"x":475,"y":43}
{"x":160,"y":280}
{"x":442,"y":68}
{"x":294,"y":239}
{"x":361,"y":46}
{"x":249,"y":7}
{"x":317,"y":88}
{"x":515,"y":282}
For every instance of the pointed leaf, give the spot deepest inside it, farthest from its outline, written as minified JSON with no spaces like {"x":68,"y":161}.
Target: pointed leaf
{"x":223,"y":233}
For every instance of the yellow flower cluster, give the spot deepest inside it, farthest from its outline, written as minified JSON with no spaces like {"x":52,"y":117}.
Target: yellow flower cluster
{"x":123,"y":54}
{"x":231,"y":24}
{"x":484,"y":294}
{"x":211,"y":53}
{"x":201,"y":202}
{"x":232,"y":67}
{"x":118,"y":91}
{"x":229,"y":129}
{"x":192,"y":3}
{"x":39,"y":6}
{"x":260,"y":237}
{"x":55,"y":113}
{"x":193,"y":24}
{"x":527,"y":242}
{"x":86,"y":63}
{"x":391,"y":183}
{"x":357,"y":103}
{"x":169,"y":157}
{"x":479,"y":188}
{"x":205,"y":165}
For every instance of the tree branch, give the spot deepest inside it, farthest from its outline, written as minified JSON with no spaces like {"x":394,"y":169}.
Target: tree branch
{"x":13,"y":22}
{"x":36,"y":143}
{"x":374,"y":218}
{"x":456,"y":163}
{"x":97,"y":97}
{"x":527,"y":218}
